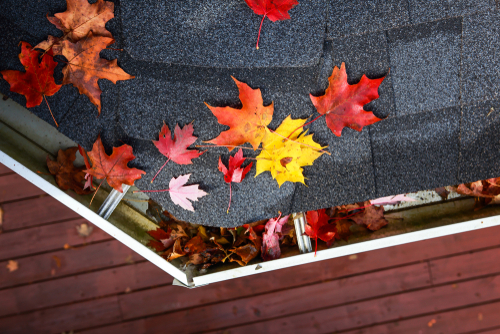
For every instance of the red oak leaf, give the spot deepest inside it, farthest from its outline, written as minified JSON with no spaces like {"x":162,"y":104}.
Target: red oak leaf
{"x":247,"y":124}
{"x":275,"y":10}
{"x":343,"y":103}
{"x":270,"y":239}
{"x":176,"y":149}
{"x":113,"y":168}
{"x":235,"y":173}
{"x":38,"y":80}
{"x":317,"y":227}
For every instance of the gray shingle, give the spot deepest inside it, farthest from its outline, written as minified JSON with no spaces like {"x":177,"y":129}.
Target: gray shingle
{"x":479,"y":144}
{"x":347,"y":17}
{"x":430,"y":10}
{"x":366,"y":54}
{"x":221,"y":33}
{"x":416,"y":152}
{"x":480,"y":62}
{"x":342,"y":178}
{"x":425,"y":64}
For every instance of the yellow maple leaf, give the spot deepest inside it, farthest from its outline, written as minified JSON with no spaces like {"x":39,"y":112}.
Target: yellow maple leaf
{"x":284,"y":157}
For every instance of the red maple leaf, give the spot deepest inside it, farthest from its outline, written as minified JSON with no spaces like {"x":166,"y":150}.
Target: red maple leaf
{"x":317,"y":226}
{"x":38,"y":80}
{"x":235,"y":173}
{"x":275,"y":10}
{"x":343,"y":103}
{"x":176,"y":149}
{"x":113,"y":168}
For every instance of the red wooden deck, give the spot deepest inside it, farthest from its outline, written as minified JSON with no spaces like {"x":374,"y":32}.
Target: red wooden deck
{"x":98,"y":285}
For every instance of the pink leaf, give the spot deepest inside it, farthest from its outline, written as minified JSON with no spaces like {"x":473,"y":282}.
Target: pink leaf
{"x":270,"y":239}
{"x":391,"y":200}
{"x":181,"y":195}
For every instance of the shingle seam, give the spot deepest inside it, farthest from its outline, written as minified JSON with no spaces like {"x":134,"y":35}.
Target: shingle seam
{"x":409,"y":12}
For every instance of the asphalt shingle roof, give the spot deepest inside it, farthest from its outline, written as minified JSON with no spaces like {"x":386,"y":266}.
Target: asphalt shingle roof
{"x":443,"y":81}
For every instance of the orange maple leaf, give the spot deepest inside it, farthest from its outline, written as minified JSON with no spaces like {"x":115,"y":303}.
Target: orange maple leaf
{"x":248,"y":124}
{"x":343,"y":103}
{"x":113,"y":168}
{"x":85,"y":66}
{"x":77,"y":21}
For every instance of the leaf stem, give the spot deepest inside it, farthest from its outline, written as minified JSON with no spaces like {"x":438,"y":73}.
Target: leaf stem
{"x":160,"y":170}
{"x":50,"y":110}
{"x":314,"y":148}
{"x":230,"y":195}
{"x":232,"y":146}
{"x":314,"y":120}
{"x":260,"y":28}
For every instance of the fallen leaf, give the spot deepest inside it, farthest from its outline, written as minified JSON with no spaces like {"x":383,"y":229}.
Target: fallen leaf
{"x":128,"y":290}
{"x":57,"y":260}
{"x":247,"y":124}
{"x":77,"y":21}
{"x":68,"y":176}
{"x":235,"y":173}
{"x":85,"y":66}
{"x":353,"y":257}
{"x":67,"y":246}
{"x":88,"y":177}
{"x":318,"y":227}
{"x":343,"y":103}
{"x":176,"y":149}
{"x":195,"y":245}
{"x":176,"y":251}
{"x":297,"y":151}
{"x":181,"y":194}
{"x":275,"y":10}
{"x":270,"y":239}
{"x":129,"y":259}
{"x":84,"y":230}
{"x":442,"y":192}
{"x":370,"y":216}
{"x":12,"y":265}
{"x":431,"y":323}
{"x":391,"y":200}
{"x":38,"y":80}
{"x":343,"y":229}
{"x":113,"y":168}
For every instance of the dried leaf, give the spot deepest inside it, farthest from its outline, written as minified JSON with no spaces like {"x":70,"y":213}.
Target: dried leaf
{"x":371,"y":216}
{"x":442,"y":192}
{"x":298,"y":150}
{"x":12,"y":265}
{"x":113,"y":168}
{"x":85,"y":66}
{"x":248,"y":124}
{"x":68,"y":176}
{"x":84,"y":230}
{"x":343,"y":103}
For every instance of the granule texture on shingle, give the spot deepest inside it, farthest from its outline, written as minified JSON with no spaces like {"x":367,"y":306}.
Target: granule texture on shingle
{"x":222,"y":33}
{"x":416,"y":152}
{"x":479,"y":144}
{"x":430,"y":10}
{"x":367,"y":55}
{"x":344,"y":177}
{"x":425,"y":65}
{"x":480,"y":61}
{"x":349,"y":17}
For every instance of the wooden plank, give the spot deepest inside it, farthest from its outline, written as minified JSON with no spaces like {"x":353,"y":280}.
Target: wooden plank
{"x":272,"y":304}
{"x":74,"y":288}
{"x":366,"y":313}
{"x":4,"y":169}
{"x":465,"y":266}
{"x":45,"y":238}
{"x":35,"y":211}
{"x":65,"y":318}
{"x":72,"y":261}
{"x":14,"y":187}
{"x":460,"y":321}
